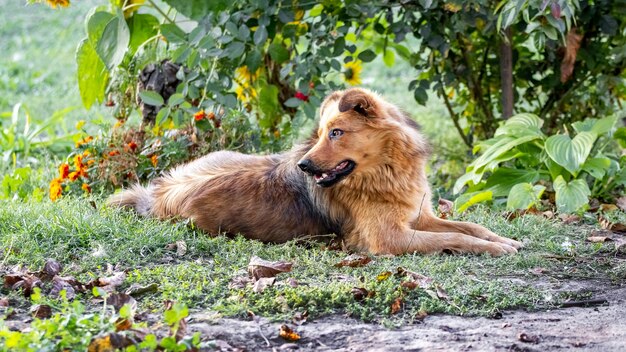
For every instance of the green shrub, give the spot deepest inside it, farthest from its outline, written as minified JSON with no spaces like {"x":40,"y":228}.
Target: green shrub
{"x":521,"y":162}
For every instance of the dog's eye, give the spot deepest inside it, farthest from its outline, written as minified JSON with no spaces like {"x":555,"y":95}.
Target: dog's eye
{"x":335,"y":133}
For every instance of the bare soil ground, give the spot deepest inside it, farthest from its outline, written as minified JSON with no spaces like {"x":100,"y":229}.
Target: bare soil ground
{"x":598,"y":328}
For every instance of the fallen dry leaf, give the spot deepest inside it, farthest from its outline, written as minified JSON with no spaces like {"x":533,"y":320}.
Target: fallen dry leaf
{"x":569,"y":218}
{"x":383,"y":276}
{"x":138,"y":290}
{"x":621,"y":203}
{"x":239,"y":282}
{"x":41,"y":311}
{"x":110,"y":342}
{"x":259,"y":268}
{"x":538,"y":271}
{"x":354,"y":261}
{"x":288,"y":334}
{"x":411,"y":285}
{"x":445,"y":208}
{"x":396,"y":305}
{"x":262,"y":283}
{"x":300,"y":317}
{"x":118,"y":300}
{"x":572,"y":41}
{"x":524,"y":337}
{"x":109,"y":283}
{"x":421,"y":280}
{"x":69,"y":284}
{"x":548,"y":214}
{"x":608,"y":225}
{"x":441,"y":293}
{"x":123,"y":324}
{"x":597,"y":239}
{"x":360,"y":293}
{"x":4,"y":302}
{"x":51,"y":269}
{"x":27,"y":284}
{"x":421,"y":315}
{"x":608,"y":207}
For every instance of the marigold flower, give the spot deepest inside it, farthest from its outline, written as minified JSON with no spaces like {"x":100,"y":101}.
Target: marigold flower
{"x":61,"y":3}
{"x":302,"y":96}
{"x":78,"y":162}
{"x":199,"y":115}
{"x":56,"y":189}
{"x":352,"y":74}
{"x":86,"y":188}
{"x":154,"y":159}
{"x":74,"y":175}
{"x":64,"y":170}
{"x":84,"y":141}
{"x":90,"y":162}
{"x":114,"y":152}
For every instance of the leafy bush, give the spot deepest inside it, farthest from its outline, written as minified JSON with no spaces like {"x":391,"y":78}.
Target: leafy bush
{"x":521,"y":163}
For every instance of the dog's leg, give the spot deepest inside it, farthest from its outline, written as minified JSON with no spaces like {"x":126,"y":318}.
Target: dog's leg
{"x":411,"y":241}
{"x":428,"y":222}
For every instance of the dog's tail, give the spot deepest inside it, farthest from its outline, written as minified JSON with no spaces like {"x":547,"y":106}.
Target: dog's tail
{"x":137,"y":197}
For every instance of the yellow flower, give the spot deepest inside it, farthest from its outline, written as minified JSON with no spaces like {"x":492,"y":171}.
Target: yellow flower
{"x":61,"y":3}
{"x":155,"y":160}
{"x":56,"y":189}
{"x":80,"y":124}
{"x":86,"y":188}
{"x":244,"y":77}
{"x":352,"y":74}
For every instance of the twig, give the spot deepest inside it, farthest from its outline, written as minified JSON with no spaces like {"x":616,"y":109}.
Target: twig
{"x":585,"y":303}
{"x":161,"y":12}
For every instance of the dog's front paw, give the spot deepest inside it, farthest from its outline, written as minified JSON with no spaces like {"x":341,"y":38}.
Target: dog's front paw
{"x":498,"y":249}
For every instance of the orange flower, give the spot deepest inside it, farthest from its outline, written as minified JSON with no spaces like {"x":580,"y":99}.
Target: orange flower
{"x":73,"y":176}
{"x":154,"y":159}
{"x":61,"y":3}
{"x":84,"y":141}
{"x":64,"y":170}
{"x":211,"y":116}
{"x":132,"y":145}
{"x":78,"y":162}
{"x":56,"y":189}
{"x":86,"y":188}
{"x":114,"y":152}
{"x":199,"y":115}
{"x":90,"y":162}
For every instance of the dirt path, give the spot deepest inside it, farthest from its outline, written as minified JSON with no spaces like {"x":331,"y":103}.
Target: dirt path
{"x":601,"y":328}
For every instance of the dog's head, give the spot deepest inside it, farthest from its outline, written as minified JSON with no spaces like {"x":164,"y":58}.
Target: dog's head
{"x":354,"y":129}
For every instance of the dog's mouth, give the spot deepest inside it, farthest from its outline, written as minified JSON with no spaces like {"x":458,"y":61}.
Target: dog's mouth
{"x":334,"y":175}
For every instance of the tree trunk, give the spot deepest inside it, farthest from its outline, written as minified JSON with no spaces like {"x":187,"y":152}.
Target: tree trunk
{"x":506,"y":74}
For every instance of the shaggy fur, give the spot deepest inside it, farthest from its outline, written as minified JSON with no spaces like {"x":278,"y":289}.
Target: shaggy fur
{"x":360,"y":176}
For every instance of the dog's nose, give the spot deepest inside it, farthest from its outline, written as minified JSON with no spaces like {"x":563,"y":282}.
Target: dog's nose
{"x":306,"y":165}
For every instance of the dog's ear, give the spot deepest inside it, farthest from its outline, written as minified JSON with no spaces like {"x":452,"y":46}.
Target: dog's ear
{"x":357,"y":100}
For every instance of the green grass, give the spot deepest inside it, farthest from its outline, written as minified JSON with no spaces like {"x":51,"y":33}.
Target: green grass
{"x":85,"y":239}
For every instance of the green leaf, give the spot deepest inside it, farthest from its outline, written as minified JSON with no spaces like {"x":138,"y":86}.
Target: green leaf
{"x":260,"y":36}
{"x":620,"y":136}
{"x":96,"y":23}
{"x":600,"y":126}
{"x":175,"y":99}
{"x":93,"y":76}
{"x":389,"y":58}
{"x":570,"y":153}
{"x":173,"y":33}
{"x":142,"y":27}
{"x":253,"y":60}
{"x":268,"y":103}
{"x":467,"y":200}
{"x":570,"y":196}
{"x":151,"y":97}
{"x":278,"y":53}
{"x":521,"y":124}
{"x":504,"y":179}
{"x":597,"y":166}
{"x":235,"y":50}
{"x":198,"y":9}
{"x":293,"y":102}
{"x":502,"y":145}
{"x":523,"y":196}
{"x":113,"y":44}
{"x":367,"y":55}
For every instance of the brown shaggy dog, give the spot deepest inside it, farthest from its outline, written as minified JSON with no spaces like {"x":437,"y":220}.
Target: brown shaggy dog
{"x":361,"y":176}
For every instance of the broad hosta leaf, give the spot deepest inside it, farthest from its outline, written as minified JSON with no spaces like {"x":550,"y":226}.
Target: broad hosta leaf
{"x":92,"y":74}
{"x":503,"y":179}
{"x":467,"y":200}
{"x":597,"y":166}
{"x":601,"y":126}
{"x":570,"y":196}
{"x":570,"y":153}
{"x":523,"y":196}
{"x":197,"y":9}
{"x":142,"y":27}
{"x":503,"y":145}
{"x":521,"y":124}
{"x":113,"y":43}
